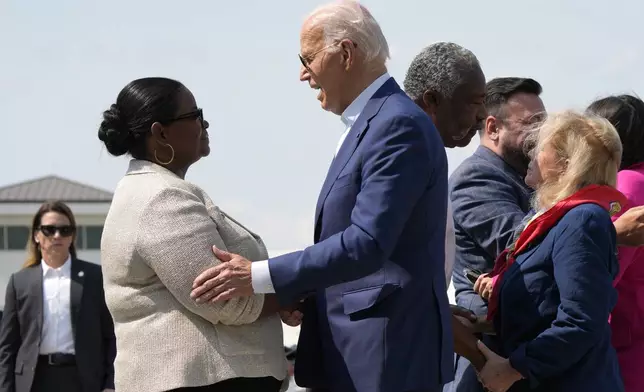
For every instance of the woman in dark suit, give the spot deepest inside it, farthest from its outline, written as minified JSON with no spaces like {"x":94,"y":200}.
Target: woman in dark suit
{"x":56,"y":333}
{"x":553,"y":288}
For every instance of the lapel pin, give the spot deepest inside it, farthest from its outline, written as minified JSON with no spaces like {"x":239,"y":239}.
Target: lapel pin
{"x":81,"y":274}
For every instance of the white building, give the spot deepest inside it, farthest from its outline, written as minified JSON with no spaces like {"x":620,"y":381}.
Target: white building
{"x":18,"y":204}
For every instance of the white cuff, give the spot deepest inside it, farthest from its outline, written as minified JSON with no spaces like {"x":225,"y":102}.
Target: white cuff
{"x":260,"y":277}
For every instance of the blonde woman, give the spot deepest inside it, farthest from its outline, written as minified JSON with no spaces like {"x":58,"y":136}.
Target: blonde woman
{"x":553,"y":288}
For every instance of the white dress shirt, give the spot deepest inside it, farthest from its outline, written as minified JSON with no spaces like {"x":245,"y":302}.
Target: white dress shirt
{"x":57,"y":335}
{"x":259,"y":270}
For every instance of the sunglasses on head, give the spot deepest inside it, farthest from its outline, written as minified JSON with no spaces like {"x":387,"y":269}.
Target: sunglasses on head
{"x":50,"y":230}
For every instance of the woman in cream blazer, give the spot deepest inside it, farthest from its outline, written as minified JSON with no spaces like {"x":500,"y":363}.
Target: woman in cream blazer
{"x":158,"y":237}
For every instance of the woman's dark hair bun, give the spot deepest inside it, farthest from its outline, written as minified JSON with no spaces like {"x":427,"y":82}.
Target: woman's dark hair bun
{"x":115,"y":133}
{"x":127,"y":123}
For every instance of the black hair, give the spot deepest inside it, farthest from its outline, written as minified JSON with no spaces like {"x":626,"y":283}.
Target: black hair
{"x":126,"y":124}
{"x":626,"y":113}
{"x":498,"y":91}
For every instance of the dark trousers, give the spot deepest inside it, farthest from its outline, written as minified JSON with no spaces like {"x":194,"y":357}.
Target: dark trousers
{"x":261,"y":384}
{"x":49,"y":378}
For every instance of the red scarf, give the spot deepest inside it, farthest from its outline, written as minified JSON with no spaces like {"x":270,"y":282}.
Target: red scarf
{"x":605,"y":196}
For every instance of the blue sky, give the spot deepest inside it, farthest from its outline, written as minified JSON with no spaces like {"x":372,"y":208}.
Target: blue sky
{"x":64,"y":62}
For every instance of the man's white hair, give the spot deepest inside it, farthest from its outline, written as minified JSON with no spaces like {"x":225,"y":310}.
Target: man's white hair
{"x":348,"y":19}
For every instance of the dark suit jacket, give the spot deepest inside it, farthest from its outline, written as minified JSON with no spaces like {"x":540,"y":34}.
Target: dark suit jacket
{"x":554,"y":304}
{"x":489,"y":202}
{"x":379,"y":320}
{"x":21,"y":327}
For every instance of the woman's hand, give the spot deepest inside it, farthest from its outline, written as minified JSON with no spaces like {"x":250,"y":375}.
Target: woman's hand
{"x":483,"y":286}
{"x":497,"y":375}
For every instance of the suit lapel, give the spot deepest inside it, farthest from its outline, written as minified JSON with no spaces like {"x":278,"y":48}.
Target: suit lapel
{"x":76,"y":291}
{"x":351,"y":142}
{"x":35,"y":283}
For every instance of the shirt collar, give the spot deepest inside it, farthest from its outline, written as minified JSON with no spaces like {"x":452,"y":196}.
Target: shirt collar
{"x":351,"y":113}
{"x":66,"y":268}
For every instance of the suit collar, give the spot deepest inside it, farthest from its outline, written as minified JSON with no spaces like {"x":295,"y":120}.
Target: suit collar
{"x":140,"y":166}
{"x":352,"y":112}
{"x":353,"y":139}
{"x":76,"y":291}
{"x":66,"y":268}
{"x":35,"y":286}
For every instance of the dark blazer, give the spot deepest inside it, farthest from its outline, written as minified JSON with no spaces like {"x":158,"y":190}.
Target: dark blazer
{"x":489,"y":201}
{"x":554,"y":304}
{"x":21,"y":327}
{"x":379,"y":319}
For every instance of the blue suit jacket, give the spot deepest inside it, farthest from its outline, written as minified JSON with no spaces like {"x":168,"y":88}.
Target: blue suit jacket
{"x":489,"y":201}
{"x":378,"y":319}
{"x":554,"y":304}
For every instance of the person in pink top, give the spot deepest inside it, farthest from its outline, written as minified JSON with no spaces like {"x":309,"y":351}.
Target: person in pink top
{"x":626,"y":113}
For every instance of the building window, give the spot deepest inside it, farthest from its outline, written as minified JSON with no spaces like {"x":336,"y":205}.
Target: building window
{"x":80,"y":238}
{"x":93,"y":237}
{"x":89,"y":237}
{"x":17,"y":237}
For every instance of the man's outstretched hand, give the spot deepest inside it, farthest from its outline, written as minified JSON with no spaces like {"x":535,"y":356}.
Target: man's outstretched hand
{"x":230,"y":279}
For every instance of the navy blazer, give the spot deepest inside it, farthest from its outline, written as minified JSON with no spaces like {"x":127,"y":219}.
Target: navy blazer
{"x":554,"y":304}
{"x":379,"y":316}
{"x":489,"y":201}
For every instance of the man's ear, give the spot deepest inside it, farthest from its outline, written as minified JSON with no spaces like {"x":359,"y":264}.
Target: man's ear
{"x":348,"y":53}
{"x":491,"y":128}
{"x":431,"y":100}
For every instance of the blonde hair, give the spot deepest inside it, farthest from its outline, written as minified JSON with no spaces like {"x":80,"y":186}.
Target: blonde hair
{"x":587,"y":146}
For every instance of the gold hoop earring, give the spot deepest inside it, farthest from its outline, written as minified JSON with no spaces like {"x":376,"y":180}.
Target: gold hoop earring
{"x":157,"y":158}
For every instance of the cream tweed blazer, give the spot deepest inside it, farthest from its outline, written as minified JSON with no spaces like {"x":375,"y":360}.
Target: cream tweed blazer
{"x":158,"y":237}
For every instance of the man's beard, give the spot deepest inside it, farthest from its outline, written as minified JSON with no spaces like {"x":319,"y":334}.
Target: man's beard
{"x":518,"y":159}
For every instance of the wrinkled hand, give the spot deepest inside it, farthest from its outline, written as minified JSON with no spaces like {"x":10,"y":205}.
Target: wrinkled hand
{"x":230,"y":279}
{"x":630,"y":227}
{"x":484,"y":286}
{"x":497,"y":375}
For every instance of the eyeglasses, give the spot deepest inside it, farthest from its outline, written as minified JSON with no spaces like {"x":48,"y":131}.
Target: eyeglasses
{"x":306,"y":61}
{"x":64,"y":231}
{"x":195,"y":114}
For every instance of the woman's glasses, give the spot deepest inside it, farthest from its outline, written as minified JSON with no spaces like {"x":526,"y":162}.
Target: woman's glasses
{"x":64,"y":231}
{"x":195,"y":114}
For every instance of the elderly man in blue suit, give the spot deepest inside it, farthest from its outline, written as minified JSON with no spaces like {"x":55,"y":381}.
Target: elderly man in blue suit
{"x":376,"y":313}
